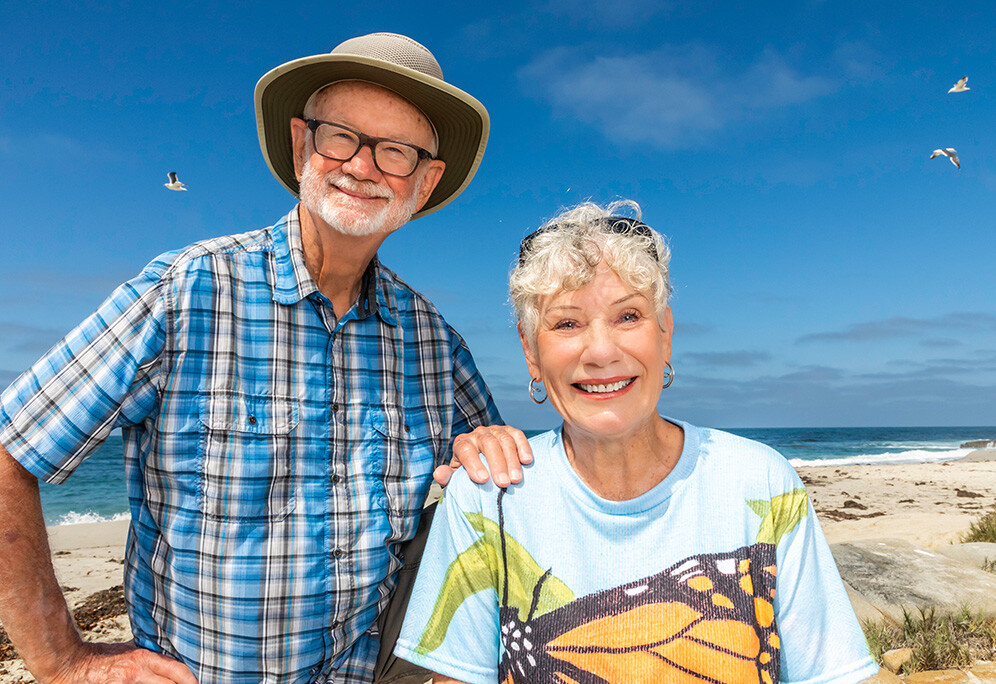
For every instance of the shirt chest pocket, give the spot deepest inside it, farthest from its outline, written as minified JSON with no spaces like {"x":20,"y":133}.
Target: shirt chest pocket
{"x":246,"y":460}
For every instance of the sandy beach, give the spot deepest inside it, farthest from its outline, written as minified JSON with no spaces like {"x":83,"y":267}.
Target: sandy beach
{"x":927,"y":504}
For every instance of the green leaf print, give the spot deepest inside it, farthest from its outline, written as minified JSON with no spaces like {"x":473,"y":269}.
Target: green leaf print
{"x":479,"y":568}
{"x":780,"y":515}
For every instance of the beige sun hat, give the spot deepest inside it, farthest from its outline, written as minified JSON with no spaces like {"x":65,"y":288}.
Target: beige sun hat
{"x":389,"y":60}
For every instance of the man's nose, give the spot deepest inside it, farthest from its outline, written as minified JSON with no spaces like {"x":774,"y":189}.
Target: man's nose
{"x":362,"y":166}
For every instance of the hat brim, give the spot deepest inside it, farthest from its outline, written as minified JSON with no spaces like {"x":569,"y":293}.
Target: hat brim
{"x":460,"y":120}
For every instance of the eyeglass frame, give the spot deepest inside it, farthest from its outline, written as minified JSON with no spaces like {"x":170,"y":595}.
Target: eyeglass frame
{"x":368,"y":141}
{"x":620,"y":225}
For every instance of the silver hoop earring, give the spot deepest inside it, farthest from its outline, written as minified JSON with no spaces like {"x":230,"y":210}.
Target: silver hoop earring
{"x":533,"y":391}
{"x":669,"y":378}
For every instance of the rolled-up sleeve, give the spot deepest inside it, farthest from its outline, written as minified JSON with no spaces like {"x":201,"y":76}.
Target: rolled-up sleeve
{"x":102,"y":375}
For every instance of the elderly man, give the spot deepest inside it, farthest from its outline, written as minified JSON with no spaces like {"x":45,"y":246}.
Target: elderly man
{"x":282,"y":396}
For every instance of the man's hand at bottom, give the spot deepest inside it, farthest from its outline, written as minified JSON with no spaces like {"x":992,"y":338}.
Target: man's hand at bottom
{"x":97,"y":663}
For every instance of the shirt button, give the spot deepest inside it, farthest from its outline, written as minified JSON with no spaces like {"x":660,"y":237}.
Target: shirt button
{"x":335,"y":408}
{"x":338,"y":553}
{"x":408,"y":428}
{"x":336,"y":478}
{"x":252,"y":420}
{"x":336,"y":623}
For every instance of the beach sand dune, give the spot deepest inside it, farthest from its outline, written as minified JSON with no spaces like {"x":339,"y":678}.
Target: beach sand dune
{"x":930,"y":505}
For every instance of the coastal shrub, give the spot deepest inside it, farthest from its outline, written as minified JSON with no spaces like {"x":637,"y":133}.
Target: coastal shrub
{"x":983,"y":529}
{"x":938,"y":641}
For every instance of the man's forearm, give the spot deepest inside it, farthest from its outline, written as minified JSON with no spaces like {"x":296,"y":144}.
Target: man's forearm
{"x":32,"y":608}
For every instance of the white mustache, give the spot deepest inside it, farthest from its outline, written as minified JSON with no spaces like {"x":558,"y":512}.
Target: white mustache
{"x":344,"y":181}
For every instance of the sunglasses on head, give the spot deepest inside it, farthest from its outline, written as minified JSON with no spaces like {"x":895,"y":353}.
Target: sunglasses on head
{"x":616,"y":224}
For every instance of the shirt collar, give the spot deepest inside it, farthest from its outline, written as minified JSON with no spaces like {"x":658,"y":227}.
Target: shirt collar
{"x":293,"y":282}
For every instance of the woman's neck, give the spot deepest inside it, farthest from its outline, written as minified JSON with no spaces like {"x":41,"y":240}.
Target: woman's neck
{"x":620,"y":468}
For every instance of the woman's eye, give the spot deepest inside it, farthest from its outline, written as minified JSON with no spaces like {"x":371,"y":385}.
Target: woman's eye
{"x":565,"y":325}
{"x":630,"y":316}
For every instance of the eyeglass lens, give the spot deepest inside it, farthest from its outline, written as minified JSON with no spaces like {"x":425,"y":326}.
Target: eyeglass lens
{"x":341,"y":144}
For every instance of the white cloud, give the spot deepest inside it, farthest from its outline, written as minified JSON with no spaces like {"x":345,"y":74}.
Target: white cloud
{"x":34,"y":144}
{"x":901,"y":326}
{"x":607,"y":14}
{"x":671,"y":97}
{"x":734,"y":359}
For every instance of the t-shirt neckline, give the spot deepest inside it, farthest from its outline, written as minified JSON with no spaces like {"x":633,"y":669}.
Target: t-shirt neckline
{"x":650,"y":499}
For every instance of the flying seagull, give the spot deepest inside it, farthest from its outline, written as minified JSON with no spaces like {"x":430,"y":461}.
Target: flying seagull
{"x":960,"y":86}
{"x":174,"y":184}
{"x":950,"y":153}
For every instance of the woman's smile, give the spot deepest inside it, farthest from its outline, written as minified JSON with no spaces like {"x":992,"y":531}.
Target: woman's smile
{"x":604,"y":389}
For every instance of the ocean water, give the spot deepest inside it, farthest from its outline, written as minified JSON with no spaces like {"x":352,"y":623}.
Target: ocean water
{"x":96,"y":491}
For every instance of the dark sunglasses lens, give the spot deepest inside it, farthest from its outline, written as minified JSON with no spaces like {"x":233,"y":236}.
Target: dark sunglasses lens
{"x":617,"y":224}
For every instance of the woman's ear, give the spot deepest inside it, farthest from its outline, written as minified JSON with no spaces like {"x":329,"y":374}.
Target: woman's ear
{"x":668,"y":332}
{"x":531,"y":364}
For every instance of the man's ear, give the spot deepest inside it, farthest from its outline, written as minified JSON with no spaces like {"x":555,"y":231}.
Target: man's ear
{"x":531,"y":361}
{"x":299,"y":143}
{"x":429,"y":181}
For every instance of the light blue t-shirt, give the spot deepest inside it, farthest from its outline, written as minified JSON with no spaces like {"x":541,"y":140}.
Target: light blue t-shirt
{"x":719,"y":573}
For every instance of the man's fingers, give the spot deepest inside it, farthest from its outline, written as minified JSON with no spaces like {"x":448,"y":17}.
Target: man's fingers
{"x":521,"y":453}
{"x":170,"y":670}
{"x":125,"y":664}
{"x":499,"y":448}
{"x":504,"y":448}
{"x":443,"y":473}
{"x":467,"y":452}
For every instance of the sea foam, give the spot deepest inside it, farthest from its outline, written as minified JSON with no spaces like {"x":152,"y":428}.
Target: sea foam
{"x":76,"y":518}
{"x":887,"y":458}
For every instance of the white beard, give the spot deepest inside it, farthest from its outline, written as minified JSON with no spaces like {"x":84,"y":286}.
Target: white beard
{"x":348,"y":215}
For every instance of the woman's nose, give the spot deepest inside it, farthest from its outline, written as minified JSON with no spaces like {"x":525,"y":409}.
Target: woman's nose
{"x":600,"y":346}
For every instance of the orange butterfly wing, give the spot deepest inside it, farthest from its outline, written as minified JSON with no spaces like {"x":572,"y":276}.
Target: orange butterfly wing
{"x":699,"y":621}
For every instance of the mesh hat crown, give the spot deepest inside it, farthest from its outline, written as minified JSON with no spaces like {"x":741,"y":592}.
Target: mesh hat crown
{"x":391,"y":61}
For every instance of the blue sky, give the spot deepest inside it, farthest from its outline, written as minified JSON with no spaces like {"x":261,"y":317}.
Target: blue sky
{"x":826,"y":271}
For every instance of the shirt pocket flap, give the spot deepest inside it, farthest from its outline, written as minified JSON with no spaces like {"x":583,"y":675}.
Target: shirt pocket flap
{"x":406,"y":425}
{"x":253,"y":414}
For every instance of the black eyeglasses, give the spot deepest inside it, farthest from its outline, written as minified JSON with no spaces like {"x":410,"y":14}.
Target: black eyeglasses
{"x":341,"y":143}
{"x":615,"y":224}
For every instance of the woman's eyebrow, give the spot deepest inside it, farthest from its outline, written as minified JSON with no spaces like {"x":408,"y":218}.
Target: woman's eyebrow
{"x":628,"y":297}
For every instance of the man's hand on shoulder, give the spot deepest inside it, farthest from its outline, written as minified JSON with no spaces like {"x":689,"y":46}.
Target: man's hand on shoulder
{"x":504,"y":448}
{"x":125,"y":663}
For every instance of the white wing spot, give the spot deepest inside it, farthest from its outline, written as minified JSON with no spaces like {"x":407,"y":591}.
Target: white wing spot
{"x":727,"y":566}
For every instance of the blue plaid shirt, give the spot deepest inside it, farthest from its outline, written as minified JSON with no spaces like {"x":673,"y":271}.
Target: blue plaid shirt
{"x":275,"y":456}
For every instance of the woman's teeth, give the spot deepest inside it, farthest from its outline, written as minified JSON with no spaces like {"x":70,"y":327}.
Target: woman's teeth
{"x":611,"y":387}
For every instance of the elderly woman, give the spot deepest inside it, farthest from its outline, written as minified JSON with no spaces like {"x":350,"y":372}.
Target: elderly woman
{"x":638,"y":548}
